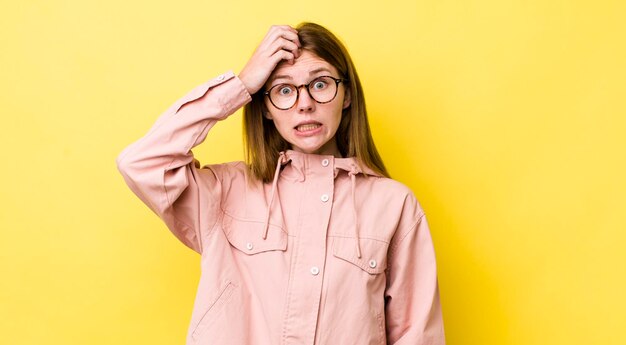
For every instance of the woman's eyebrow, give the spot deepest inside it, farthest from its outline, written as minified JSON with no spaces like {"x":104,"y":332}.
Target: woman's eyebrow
{"x":281,"y":76}
{"x":321,"y":69}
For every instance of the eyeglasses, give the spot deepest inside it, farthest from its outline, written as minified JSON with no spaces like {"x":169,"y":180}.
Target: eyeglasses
{"x":321,"y":89}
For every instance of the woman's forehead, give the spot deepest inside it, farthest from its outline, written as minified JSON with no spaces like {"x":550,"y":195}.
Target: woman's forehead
{"x":304,"y":66}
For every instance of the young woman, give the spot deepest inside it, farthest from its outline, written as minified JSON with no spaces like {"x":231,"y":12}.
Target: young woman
{"x":309,"y":241}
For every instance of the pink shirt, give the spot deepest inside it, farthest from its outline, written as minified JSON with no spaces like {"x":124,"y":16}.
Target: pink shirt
{"x":329,"y":253}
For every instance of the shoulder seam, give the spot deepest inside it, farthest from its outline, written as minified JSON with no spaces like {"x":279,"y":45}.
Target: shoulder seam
{"x":396,"y":244}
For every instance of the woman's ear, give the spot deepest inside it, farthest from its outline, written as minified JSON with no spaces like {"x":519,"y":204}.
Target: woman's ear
{"x":347,"y":99}
{"x":266,"y":112}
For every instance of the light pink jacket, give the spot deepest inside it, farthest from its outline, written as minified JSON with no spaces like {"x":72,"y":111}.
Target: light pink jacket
{"x":329,"y":253}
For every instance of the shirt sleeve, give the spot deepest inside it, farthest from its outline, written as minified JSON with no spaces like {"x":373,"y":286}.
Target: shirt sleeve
{"x":412,"y":307}
{"x":160,"y":167}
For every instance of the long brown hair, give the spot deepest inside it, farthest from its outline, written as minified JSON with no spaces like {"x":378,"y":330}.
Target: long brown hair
{"x":354,"y":139}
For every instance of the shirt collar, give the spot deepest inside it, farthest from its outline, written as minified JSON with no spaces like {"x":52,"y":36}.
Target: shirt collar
{"x":300,"y":164}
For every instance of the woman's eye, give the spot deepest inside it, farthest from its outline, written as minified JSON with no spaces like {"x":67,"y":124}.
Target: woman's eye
{"x":284,"y":91}
{"x":318,"y":85}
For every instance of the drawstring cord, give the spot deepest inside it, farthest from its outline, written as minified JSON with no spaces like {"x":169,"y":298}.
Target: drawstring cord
{"x":274,"y":183}
{"x":352,"y":174}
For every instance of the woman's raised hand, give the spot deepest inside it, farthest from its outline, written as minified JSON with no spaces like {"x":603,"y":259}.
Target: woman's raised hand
{"x":280,"y":43}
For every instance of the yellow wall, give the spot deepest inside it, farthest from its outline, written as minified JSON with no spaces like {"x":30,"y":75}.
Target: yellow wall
{"x":507,"y":119}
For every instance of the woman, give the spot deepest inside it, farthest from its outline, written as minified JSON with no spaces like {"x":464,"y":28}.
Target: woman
{"x":309,"y":241}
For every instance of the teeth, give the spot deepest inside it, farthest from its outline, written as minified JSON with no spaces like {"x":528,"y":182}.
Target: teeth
{"x":309,"y":127}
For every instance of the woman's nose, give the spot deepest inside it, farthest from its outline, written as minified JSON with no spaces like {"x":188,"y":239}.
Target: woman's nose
{"x":305,"y":102}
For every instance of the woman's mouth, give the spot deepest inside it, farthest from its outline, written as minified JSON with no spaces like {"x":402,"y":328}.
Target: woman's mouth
{"x":308,"y":127}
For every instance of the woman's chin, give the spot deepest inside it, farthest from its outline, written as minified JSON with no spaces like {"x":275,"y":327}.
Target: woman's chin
{"x":309,"y":150}
{"x":319,"y":149}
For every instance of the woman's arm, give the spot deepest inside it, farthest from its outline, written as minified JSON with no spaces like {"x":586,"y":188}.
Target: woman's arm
{"x":160,"y":167}
{"x":412,"y":307}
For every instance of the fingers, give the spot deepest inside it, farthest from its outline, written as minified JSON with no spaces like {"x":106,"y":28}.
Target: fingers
{"x":283,"y":44}
{"x":283,"y":55}
{"x":282,"y":32}
{"x":285,"y":31}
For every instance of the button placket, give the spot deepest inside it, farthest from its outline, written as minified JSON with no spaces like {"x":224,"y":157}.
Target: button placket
{"x":303,"y":299}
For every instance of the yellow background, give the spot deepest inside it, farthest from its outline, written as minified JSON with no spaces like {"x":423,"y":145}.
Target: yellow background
{"x":507,"y":119}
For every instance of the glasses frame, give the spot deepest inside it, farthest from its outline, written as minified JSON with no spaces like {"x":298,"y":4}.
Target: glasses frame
{"x":336,"y":80}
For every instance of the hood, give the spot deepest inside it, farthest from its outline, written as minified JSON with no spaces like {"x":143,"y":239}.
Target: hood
{"x":300,"y":162}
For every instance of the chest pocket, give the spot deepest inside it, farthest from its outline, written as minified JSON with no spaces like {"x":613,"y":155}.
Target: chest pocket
{"x":373,"y":258}
{"x":247,"y":235}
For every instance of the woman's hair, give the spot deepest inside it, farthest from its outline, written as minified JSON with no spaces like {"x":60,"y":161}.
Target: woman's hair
{"x":263,"y":142}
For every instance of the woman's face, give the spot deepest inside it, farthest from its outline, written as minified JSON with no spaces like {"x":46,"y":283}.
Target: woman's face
{"x":308,"y":126}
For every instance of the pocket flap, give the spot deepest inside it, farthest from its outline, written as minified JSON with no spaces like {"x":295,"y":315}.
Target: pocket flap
{"x":247,"y":235}
{"x":373,"y":258}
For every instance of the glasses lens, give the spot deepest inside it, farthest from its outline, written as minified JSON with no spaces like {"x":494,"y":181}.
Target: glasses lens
{"x":283,"y":96}
{"x":323,"y":89}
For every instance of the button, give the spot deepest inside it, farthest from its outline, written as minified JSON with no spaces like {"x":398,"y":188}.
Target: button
{"x":325,"y":162}
{"x":315,"y":271}
{"x":373,"y":263}
{"x":249,"y":245}
{"x":324,"y":197}
{"x":220,"y":78}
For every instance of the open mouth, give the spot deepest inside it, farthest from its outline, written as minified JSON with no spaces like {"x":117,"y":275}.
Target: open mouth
{"x":308,"y":127}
